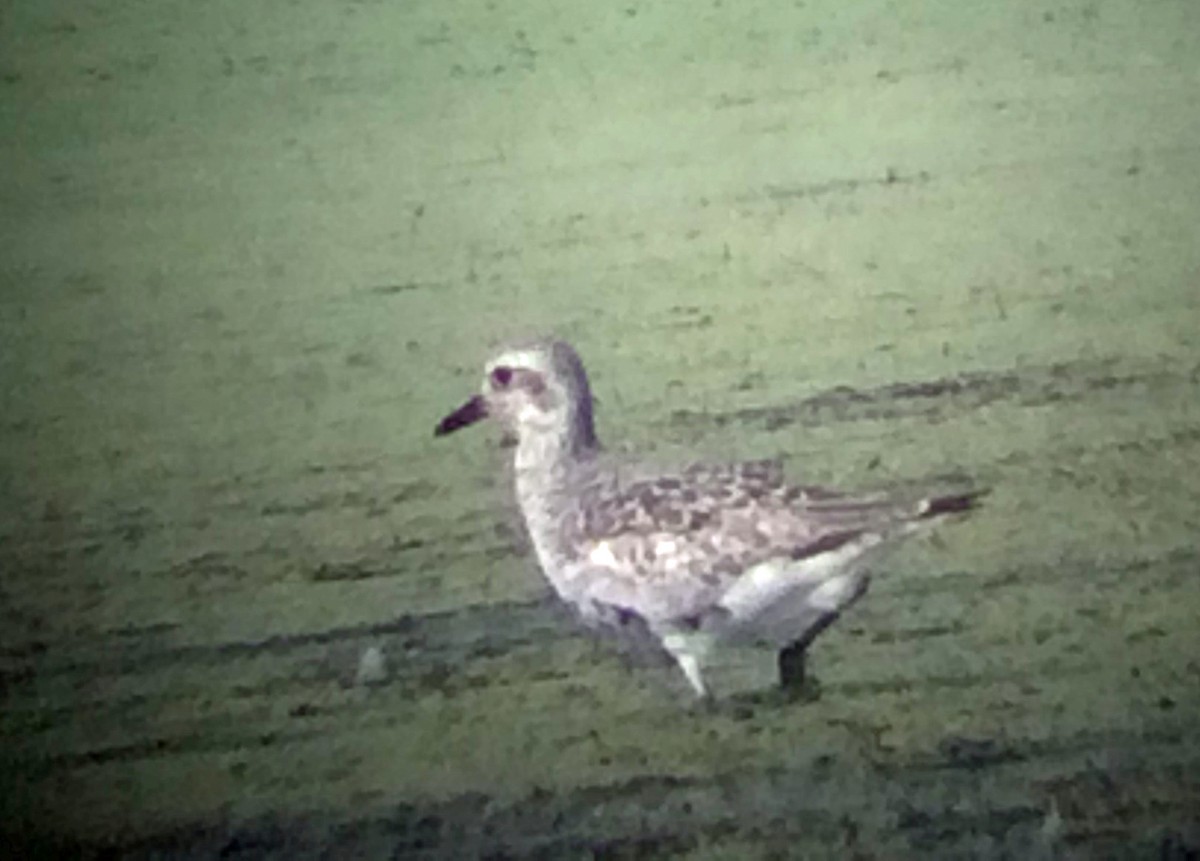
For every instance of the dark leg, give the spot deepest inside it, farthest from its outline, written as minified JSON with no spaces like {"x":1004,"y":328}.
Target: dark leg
{"x":791,"y":657}
{"x":791,"y":666}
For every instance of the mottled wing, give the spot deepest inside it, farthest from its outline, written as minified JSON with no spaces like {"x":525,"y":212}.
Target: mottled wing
{"x":671,"y":546}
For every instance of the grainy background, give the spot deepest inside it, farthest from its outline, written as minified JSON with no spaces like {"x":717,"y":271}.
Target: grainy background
{"x":251,"y":252}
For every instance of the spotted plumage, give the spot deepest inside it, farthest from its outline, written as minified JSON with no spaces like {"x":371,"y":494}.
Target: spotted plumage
{"x":706,"y":554}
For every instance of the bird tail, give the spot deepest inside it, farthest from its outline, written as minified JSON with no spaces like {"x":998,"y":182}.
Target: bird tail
{"x":950,"y":503}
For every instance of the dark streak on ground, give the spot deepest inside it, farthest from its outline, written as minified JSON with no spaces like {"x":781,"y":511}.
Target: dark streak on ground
{"x":1030,"y":386}
{"x":646,"y":816}
{"x":787,"y":810}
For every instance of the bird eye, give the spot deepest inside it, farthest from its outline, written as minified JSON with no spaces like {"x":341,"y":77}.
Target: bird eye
{"x":502,"y":376}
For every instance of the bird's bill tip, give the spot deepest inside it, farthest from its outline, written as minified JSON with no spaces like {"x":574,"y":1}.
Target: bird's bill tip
{"x":472,"y":411}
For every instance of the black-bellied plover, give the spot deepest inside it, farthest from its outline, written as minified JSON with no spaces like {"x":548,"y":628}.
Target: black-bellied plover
{"x":702,"y":556}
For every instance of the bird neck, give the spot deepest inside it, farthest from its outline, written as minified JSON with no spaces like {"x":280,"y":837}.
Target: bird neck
{"x":550,"y":472}
{"x":547,"y":459}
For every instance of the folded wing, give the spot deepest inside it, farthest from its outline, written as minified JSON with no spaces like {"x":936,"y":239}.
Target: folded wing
{"x":671,"y":548}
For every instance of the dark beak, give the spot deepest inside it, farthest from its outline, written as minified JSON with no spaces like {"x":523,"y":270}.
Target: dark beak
{"x":469,"y":413}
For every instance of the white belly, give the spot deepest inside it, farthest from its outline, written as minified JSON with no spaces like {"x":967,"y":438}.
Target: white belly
{"x":777,"y":602}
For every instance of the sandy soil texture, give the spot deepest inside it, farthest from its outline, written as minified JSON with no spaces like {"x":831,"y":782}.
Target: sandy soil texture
{"x":251,"y":252}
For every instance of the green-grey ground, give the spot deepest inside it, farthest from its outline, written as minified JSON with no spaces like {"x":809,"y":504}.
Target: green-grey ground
{"x":252,"y":252}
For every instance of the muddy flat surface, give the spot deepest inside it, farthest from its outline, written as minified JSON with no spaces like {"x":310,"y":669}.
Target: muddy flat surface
{"x":250,"y":256}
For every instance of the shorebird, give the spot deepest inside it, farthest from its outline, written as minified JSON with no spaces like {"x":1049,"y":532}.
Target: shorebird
{"x":708,"y":554}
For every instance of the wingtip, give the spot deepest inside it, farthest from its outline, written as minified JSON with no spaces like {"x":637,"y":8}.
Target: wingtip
{"x":954,"y":503}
